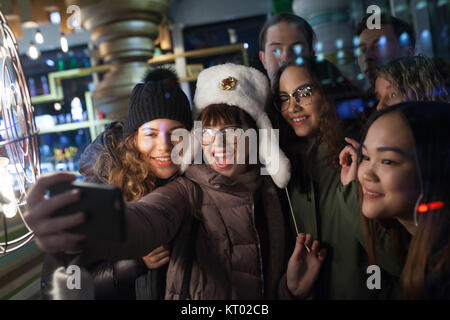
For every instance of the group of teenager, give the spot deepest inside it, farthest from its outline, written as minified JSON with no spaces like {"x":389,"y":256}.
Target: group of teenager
{"x":309,"y":228}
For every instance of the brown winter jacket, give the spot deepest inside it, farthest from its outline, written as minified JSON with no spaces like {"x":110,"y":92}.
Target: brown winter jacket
{"x":227,"y":261}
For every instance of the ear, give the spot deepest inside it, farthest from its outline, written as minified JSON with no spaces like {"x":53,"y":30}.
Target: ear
{"x":262,"y":58}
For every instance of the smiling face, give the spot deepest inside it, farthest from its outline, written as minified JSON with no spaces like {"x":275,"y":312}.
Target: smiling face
{"x":385,"y":93}
{"x":153,"y":140}
{"x":221,"y":149}
{"x":302,"y":116}
{"x":284,"y":43}
{"x":388,"y":171}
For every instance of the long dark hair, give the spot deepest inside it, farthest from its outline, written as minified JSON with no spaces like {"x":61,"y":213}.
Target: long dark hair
{"x":428,"y":255}
{"x":333,"y":87}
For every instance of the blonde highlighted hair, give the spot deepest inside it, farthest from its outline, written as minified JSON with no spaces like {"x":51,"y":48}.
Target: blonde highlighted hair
{"x":416,"y":79}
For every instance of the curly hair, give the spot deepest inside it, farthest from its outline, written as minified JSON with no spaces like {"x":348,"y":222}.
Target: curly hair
{"x":130,"y":170}
{"x":332,"y":86}
{"x":417,"y":79}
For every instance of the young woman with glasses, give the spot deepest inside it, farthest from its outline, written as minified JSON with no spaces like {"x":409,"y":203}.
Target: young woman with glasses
{"x":224,"y":218}
{"x":310,"y":134}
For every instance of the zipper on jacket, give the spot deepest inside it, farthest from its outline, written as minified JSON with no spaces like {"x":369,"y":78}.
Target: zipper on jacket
{"x":261,"y":268}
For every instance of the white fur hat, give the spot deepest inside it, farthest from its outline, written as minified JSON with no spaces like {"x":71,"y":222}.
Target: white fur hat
{"x":247,"y":89}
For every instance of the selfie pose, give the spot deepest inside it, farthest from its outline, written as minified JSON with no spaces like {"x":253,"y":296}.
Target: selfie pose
{"x":404,"y":175}
{"x":310,"y":134}
{"x":228,"y":231}
{"x":134,"y":156}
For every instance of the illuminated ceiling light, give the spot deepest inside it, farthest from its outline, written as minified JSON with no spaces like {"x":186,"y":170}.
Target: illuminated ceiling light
{"x":57,"y":106}
{"x":299,"y":61}
{"x":64,"y":43}
{"x":38,"y":37}
{"x":382,"y":41}
{"x":339,"y":43}
{"x":33,"y":52}
{"x":355,"y":41}
{"x":319,"y":46}
{"x":55,"y":17}
{"x":30,"y":25}
{"x":421,"y":5}
{"x":425,"y":34}
{"x":298,"y":48}
{"x":245,"y":45}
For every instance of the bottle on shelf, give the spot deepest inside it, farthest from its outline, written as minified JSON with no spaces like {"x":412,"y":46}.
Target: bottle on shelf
{"x":32,"y":86}
{"x":44,"y":83}
{"x":60,"y":61}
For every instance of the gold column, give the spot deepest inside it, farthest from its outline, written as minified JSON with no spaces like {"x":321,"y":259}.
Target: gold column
{"x":123,"y":32}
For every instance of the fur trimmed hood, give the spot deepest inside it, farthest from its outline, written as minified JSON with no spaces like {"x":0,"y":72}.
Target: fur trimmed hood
{"x":249,"y":90}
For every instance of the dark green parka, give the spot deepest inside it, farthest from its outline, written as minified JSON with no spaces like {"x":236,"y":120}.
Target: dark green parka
{"x":323,"y":207}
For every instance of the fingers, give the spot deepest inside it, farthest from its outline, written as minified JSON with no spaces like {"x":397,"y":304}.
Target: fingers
{"x":305,"y":242}
{"x":64,"y":241}
{"x":355,"y":144}
{"x":41,"y":211}
{"x":157,"y":250}
{"x":40,"y":188}
{"x":299,"y":246}
{"x":345,"y":153}
{"x":161,"y":262}
{"x":308,"y":241}
{"x":322,"y":255}
{"x":58,"y":224}
{"x":159,"y":256}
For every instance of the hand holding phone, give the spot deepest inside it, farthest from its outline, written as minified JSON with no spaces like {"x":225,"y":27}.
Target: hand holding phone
{"x":103,"y":207}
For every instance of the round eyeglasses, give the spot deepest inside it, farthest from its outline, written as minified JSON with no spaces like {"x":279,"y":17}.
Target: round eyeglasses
{"x":302,"y":96}
{"x":230,"y":135}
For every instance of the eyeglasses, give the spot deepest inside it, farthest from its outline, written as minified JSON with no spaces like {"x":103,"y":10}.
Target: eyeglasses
{"x":230,"y":134}
{"x":302,"y":96}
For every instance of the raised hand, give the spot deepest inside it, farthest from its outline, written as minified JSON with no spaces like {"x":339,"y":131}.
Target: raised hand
{"x":304,"y":266}
{"x":348,"y":170}
{"x":50,"y":232}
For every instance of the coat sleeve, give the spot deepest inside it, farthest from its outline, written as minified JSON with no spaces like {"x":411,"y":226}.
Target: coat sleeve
{"x":352,"y":212}
{"x":149,"y":223}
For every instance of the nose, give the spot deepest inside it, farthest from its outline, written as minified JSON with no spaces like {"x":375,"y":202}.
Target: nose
{"x":369,"y":174}
{"x":294,"y":106}
{"x":163,"y":142}
{"x":287,"y":55}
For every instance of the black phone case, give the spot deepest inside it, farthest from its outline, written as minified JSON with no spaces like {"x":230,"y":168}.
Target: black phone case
{"x":103,"y":206}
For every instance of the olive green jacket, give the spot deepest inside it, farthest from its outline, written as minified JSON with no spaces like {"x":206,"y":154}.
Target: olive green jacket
{"x":329,"y":211}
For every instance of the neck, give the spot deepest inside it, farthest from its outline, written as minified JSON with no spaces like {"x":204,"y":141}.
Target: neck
{"x":408,"y":223}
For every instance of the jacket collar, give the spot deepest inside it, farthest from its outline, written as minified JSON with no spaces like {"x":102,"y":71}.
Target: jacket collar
{"x":204,"y":175}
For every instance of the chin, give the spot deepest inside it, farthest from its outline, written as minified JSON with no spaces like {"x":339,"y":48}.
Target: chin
{"x":166,"y":173}
{"x":371,"y":212}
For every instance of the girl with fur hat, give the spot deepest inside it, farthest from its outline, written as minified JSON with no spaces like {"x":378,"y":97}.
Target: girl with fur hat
{"x":310,"y":134}
{"x":223,"y":217}
{"x":134,"y":156}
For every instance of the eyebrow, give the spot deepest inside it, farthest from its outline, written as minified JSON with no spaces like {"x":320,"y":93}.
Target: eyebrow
{"x":294,"y":43}
{"x":299,"y":87}
{"x":387,"y":149}
{"x":155,"y":129}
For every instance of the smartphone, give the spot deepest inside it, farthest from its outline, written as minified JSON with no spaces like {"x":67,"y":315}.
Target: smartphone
{"x":103,"y":207}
